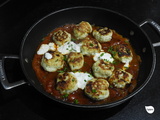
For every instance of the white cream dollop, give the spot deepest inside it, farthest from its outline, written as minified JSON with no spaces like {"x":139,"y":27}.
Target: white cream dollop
{"x":48,"y":55}
{"x":104,"y":56}
{"x":82,"y":78}
{"x":69,"y":47}
{"x":46,"y":47}
{"x":43,"y":49}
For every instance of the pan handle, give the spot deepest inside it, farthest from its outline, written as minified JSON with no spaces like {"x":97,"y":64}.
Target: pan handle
{"x":3,"y":78}
{"x":154,"y":25}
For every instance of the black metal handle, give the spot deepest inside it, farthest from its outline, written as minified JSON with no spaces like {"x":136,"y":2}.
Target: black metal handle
{"x":154,"y":25}
{"x":3,"y":78}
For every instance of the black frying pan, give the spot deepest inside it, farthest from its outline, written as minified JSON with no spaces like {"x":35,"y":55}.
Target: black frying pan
{"x":94,"y":15}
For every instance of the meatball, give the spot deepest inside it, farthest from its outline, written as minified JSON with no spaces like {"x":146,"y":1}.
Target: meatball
{"x":75,"y":60}
{"x":66,"y":83}
{"x":90,"y":47}
{"x":82,"y":29}
{"x":102,"y":69}
{"x":60,"y":37}
{"x":120,"y":78}
{"x":103,"y":34}
{"x":97,"y":89}
{"x":52,"y":62}
{"x":123,"y":53}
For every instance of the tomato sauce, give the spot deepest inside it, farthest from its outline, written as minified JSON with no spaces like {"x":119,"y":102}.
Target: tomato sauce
{"x":48,"y":79}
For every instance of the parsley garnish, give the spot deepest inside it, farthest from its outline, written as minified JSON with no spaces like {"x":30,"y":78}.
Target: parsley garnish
{"x":102,"y":54}
{"x":65,"y":58}
{"x":91,"y":44}
{"x":65,"y":95}
{"x":111,"y":50}
{"x":94,"y":90}
{"x":76,"y":101}
{"x":73,"y":39}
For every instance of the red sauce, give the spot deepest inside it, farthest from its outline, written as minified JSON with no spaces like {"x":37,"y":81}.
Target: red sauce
{"x":48,"y":79}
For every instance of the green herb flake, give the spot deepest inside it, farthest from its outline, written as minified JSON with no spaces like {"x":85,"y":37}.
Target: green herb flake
{"x":65,"y":58}
{"x":94,"y":90}
{"x":73,"y":39}
{"x":65,"y":95}
{"x":106,"y":60}
{"x":76,"y":101}
{"x":65,"y":69}
{"x":102,"y":54}
{"x":60,"y":71}
{"x":111,"y":50}
{"x":91,"y":44}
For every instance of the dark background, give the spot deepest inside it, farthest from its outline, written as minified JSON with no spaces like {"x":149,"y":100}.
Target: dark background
{"x":25,"y":103}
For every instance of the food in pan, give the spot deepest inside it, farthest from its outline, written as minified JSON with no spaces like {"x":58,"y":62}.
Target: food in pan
{"x":97,"y":89}
{"x":86,"y":64}
{"x":90,"y":47}
{"x":66,"y":83}
{"x":60,"y":37}
{"x":82,"y":29}
{"x":120,"y":78}
{"x":52,"y":61}
{"x":102,"y":69}
{"x":75,"y":60}
{"x":103,"y":34}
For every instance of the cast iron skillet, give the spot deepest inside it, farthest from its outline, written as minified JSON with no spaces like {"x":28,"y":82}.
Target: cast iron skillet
{"x":94,"y":15}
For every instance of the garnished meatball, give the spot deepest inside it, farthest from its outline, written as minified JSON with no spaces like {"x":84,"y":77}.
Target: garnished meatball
{"x":97,"y":89}
{"x":75,"y":60}
{"x":120,"y":78}
{"x":102,"y":69}
{"x":66,"y":83}
{"x":103,"y":34}
{"x":90,"y":47}
{"x":123,"y":53}
{"x":53,"y":63}
{"x":82,"y":29}
{"x":60,"y":37}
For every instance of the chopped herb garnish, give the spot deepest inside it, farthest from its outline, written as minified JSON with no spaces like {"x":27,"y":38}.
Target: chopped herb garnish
{"x":76,"y":101}
{"x":102,"y":54}
{"x":94,"y":90}
{"x":111,"y":50}
{"x":65,"y":69}
{"x":65,"y":58}
{"x":65,"y":95}
{"x":106,"y":60}
{"x":60,"y":71}
{"x":56,"y":60}
{"x":73,"y":80}
{"x":73,"y":39}
{"x":85,"y":80}
{"x":91,"y":44}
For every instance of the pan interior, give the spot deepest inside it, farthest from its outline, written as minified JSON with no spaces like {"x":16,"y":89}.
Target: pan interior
{"x":97,"y":16}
